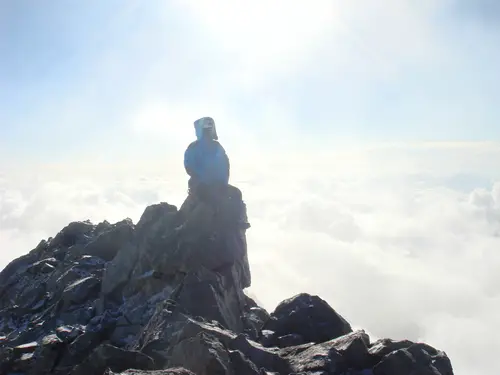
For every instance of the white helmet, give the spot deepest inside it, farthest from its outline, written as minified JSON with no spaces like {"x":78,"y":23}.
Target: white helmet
{"x":204,"y":125}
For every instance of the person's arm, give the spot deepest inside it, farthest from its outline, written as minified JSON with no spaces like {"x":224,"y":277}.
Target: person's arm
{"x":228,"y":165}
{"x":189,"y":159}
{"x":224,"y":160}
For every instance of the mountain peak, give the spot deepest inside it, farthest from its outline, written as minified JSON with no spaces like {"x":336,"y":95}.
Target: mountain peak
{"x":166,"y":296}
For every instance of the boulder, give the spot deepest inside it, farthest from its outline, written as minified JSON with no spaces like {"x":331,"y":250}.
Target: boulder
{"x":109,"y":357}
{"x":268,"y":358}
{"x":354,"y":349}
{"x":258,"y":315}
{"x":267,"y":338}
{"x":402,"y":361}
{"x":315,"y":358}
{"x":308,"y":316}
{"x":74,"y":233}
{"x":168,"y":328}
{"x":380,"y":348}
{"x":203,"y":354}
{"x":118,"y":271}
{"x":214,"y":296}
{"x":241,"y":365}
{"x":292,"y":339}
{"x":108,"y":243}
{"x":386,"y":353}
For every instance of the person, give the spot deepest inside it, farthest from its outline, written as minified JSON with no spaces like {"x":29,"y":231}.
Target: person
{"x":207,"y":163}
{"x":225,"y":222}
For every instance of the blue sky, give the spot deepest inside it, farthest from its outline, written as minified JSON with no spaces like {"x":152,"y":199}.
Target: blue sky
{"x":114,"y":78}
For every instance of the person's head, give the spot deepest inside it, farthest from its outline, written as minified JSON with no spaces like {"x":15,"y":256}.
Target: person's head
{"x":205,"y":128}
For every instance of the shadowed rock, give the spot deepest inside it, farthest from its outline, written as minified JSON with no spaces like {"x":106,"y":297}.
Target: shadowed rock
{"x":166,"y":297}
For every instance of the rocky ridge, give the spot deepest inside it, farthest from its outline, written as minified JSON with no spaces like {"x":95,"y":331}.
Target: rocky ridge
{"x":166,"y":296}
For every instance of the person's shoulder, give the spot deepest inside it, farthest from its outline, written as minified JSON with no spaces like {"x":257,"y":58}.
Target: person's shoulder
{"x":192,"y":144}
{"x":217,"y":144}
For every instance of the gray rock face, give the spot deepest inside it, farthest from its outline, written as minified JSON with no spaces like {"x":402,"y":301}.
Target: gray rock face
{"x":166,"y":297}
{"x":80,"y":291}
{"x":308,"y":316}
{"x":107,"y":244}
{"x":170,"y":371}
{"x":116,"y":359}
{"x":203,"y":354}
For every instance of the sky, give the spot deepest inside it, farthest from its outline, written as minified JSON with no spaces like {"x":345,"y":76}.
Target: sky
{"x":365,"y":137}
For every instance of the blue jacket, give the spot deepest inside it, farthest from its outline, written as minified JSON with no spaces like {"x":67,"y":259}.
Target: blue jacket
{"x":206,"y":161}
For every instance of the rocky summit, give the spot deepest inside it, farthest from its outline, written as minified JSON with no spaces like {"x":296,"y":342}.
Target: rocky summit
{"x":166,"y":296}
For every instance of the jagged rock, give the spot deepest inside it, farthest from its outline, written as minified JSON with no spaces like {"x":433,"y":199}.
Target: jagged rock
{"x":43,"y":266}
{"x":72,"y":234}
{"x":154,"y":214}
{"x":125,"y":332}
{"x":267,"y":338}
{"x":345,"y":354}
{"x":173,"y":330}
{"x":6,"y":359}
{"x":354,"y":349}
{"x":29,"y":299}
{"x":403,"y":362}
{"x":259,"y":315}
{"x":107,"y":356}
{"x":108,"y":243}
{"x":61,"y":279}
{"x":380,"y":348}
{"x":169,"y":292}
{"x":418,"y":354}
{"x":442,"y":363}
{"x":69,"y":333}
{"x":292,"y":339}
{"x":167,"y":329}
{"x":91,"y":263}
{"x":124,"y":275}
{"x":79,"y":349}
{"x":47,"y":354}
{"x":80,"y":291}
{"x":242,"y":365}
{"x":24,"y":364}
{"x":25,"y":348}
{"x":119,"y":269}
{"x":19,"y":265}
{"x":254,"y":319}
{"x":203,"y":354}
{"x":309,"y":316}
{"x":215,"y":296}
{"x":170,"y":371}
{"x":81,"y":314}
{"x":314,"y":358}
{"x":268,"y":358}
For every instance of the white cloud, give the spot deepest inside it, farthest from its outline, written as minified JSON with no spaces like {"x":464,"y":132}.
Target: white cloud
{"x":266,"y":42}
{"x":382,"y":236}
{"x":264,"y":38}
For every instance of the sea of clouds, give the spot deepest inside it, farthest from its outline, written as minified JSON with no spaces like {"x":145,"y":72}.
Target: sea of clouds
{"x":402,"y":241}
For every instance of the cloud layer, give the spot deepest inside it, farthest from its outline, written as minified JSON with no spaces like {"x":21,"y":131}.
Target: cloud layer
{"x":403,"y":243}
